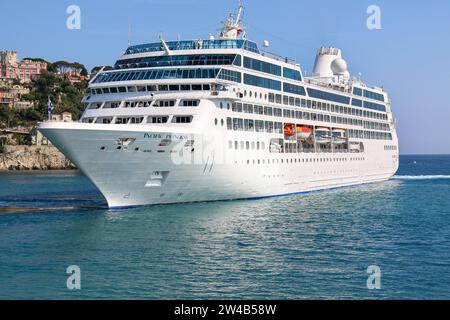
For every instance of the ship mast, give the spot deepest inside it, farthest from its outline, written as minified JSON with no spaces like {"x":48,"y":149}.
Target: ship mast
{"x":233,"y":27}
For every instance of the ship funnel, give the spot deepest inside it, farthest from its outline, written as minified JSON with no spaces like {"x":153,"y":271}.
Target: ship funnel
{"x":329,"y":63}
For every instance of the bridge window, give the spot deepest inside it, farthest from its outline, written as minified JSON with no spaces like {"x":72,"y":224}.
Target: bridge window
{"x":292,"y":74}
{"x":182,"y":119}
{"x":158,"y":120}
{"x":164,"y":103}
{"x":230,"y":75}
{"x":189,"y":103}
{"x":357,"y":91}
{"x":156,"y":74}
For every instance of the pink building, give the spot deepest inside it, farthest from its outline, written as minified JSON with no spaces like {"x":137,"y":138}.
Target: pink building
{"x":24,"y":71}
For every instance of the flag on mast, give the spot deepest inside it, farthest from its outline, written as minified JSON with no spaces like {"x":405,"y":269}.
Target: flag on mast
{"x":50,"y":107}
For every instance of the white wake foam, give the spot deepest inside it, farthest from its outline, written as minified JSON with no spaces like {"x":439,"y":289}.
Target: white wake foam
{"x":429,"y":177}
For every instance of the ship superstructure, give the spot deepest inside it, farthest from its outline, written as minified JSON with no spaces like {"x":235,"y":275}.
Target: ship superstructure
{"x":220,"y":119}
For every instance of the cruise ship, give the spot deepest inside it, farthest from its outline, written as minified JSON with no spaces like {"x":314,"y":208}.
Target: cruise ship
{"x":221,"y":118}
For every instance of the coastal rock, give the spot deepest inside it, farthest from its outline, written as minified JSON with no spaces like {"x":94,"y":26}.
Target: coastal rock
{"x":33,"y":158}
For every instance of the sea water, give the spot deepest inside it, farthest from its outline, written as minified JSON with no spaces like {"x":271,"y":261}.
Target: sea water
{"x":310,"y":246}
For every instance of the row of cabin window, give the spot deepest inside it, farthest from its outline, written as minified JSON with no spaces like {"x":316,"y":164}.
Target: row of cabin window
{"x":271,"y":68}
{"x":195,"y":45}
{"x":368,"y":94}
{"x":140,"y":120}
{"x":295,"y":114}
{"x":251,"y":125}
{"x":376,"y":126}
{"x":246,"y":145}
{"x":238,"y":124}
{"x":152,"y":88}
{"x":371,"y":135}
{"x":312,"y":104}
{"x":144,"y":104}
{"x":277,"y":145}
{"x":177,"y":61}
{"x":157,"y":74}
{"x":390,"y":148}
{"x":300,"y":90}
{"x":305,"y":160}
{"x":154,"y":120}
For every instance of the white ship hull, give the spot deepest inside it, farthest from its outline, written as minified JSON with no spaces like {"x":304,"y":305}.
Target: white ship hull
{"x":124,"y":177}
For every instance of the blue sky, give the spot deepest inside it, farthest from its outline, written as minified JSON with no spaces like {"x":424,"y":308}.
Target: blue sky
{"x":409,"y":56}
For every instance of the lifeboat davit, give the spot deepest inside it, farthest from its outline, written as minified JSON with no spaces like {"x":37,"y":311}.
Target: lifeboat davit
{"x":289,"y":130}
{"x":303,"y":132}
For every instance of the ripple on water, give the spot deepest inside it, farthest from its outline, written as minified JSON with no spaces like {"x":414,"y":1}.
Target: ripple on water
{"x":305,"y":246}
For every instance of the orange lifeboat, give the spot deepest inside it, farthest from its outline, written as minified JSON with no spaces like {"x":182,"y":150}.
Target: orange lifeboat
{"x":303,"y":132}
{"x":289,"y":130}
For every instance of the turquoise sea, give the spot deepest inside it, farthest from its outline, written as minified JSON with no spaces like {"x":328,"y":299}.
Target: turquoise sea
{"x":313,"y":246}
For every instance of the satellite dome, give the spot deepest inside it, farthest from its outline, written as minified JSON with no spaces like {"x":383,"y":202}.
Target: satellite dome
{"x":339,"y":66}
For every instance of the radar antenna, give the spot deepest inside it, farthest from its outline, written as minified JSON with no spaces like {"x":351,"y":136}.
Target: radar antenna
{"x":233,"y":27}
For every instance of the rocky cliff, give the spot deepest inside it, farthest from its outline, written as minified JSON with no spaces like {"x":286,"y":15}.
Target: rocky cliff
{"x":33,"y":158}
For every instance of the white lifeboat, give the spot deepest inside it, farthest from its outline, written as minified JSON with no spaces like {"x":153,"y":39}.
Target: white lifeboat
{"x":323,"y":135}
{"x":339,"y":136}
